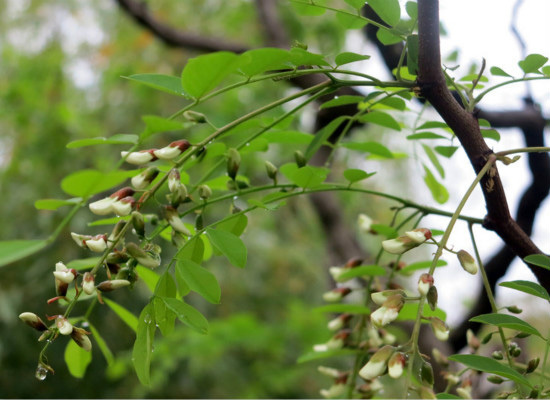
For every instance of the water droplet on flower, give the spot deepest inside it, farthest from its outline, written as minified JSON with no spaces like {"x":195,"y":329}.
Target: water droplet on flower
{"x":41,"y":372}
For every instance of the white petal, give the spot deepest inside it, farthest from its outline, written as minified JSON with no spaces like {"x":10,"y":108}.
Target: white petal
{"x":167,"y":153}
{"x":61,"y":267}
{"x":177,"y":224}
{"x":139,"y":182}
{"x":102,"y":207}
{"x":64,"y":276}
{"x":137,"y":157}
{"x":394,"y":246}
{"x":97,"y":245}
{"x":121,"y":208}
{"x":416,"y":236}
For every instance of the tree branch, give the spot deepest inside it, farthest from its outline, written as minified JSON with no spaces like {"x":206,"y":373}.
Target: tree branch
{"x":465,"y":126}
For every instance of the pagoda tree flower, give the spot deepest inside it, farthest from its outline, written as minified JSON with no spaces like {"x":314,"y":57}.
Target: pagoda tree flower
{"x":339,"y":322}
{"x":175,"y":221}
{"x":365,"y":223}
{"x":407,"y":242}
{"x":336,"y":391}
{"x":64,"y":274}
{"x":139,"y":157}
{"x":425,"y":282}
{"x":109,"y":286}
{"x":377,"y":364}
{"x":142,"y":257}
{"x":96,"y":243}
{"x":396,"y":364}
{"x":467,"y":262}
{"x":171,"y":151}
{"x":380,"y":297}
{"x":64,"y":326}
{"x":144,"y":179}
{"x":336,"y":272}
{"x":120,"y":202}
{"x":33,"y":320}
{"x":80,"y":337}
{"x":336,"y":295}
{"x":440,"y":329}
{"x":88,"y":283}
{"x":388,"y":312}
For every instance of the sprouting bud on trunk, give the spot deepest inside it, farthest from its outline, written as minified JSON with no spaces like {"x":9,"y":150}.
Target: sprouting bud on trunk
{"x":425,"y":282}
{"x":64,"y":326}
{"x":33,"y":321}
{"x":173,"y":150}
{"x":204,"y":192}
{"x":467,"y":262}
{"x":377,"y":364}
{"x":80,"y":337}
{"x":139,"y":223}
{"x":175,"y":221}
{"x":194,"y":116}
{"x":271,"y":171}
{"x":88,"y":284}
{"x":233,"y":162}
{"x":336,"y":295}
{"x":144,"y":179}
{"x":440,"y":329}
{"x":108,"y":286}
{"x":432,"y":297}
{"x":396,"y":365}
{"x":139,"y":157}
{"x":300,"y":158}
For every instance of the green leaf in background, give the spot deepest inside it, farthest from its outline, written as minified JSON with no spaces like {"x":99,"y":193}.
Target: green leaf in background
{"x":120,"y":138}
{"x":412,"y":54}
{"x":187,"y":314}
{"x":164,"y":318}
{"x":443,"y":396}
{"x":410,"y":268}
{"x":87,"y":182}
{"x":307,"y":177}
{"x":357,"y":4}
{"x":199,"y":280}
{"x":300,"y":57}
{"x":107,"y":353}
{"x":412,"y":9}
{"x":342,"y":101}
{"x":165,"y":83}
{"x":446,"y":151}
{"x":143,"y":346}
{"x":490,"y":134}
{"x":364,"y":270}
{"x":432,"y":125}
{"x":54,"y":204}
{"x":349,"y":57}
{"x":425,"y":135}
{"x":83,"y":263}
{"x":433,"y":158}
{"x":532,"y":63}
{"x":14,"y":250}
{"x":356,"y":175}
{"x":388,"y":10}
{"x":203,"y":73}
{"x":254,"y":62}
{"x":395,"y":103}
{"x":369,"y":147}
{"x":155,"y":124}
{"x":77,"y":359}
{"x":528,"y":287}
{"x":343,"y":308}
{"x":410,"y":310}
{"x":546,"y":70}
{"x":230,"y":245}
{"x":147,"y":276}
{"x":304,"y":7}
{"x":540,"y":260}
{"x":290,"y":137}
{"x":389,"y":37}
{"x":381,"y":118}
{"x":236,"y":225}
{"x":125,"y":315}
{"x":384,"y":230}
{"x":496,"y":71}
{"x":486,"y":364}
{"x":320,"y":355}
{"x":192,"y":250}
{"x":350,"y":21}
{"x":439,"y":192}
{"x":506,"y":321}
{"x":322,"y":136}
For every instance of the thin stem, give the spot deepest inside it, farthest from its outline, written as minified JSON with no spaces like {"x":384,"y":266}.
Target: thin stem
{"x":485,"y":92}
{"x":523,"y":150}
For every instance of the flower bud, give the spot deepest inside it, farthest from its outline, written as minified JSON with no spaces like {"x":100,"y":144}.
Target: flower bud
{"x":102,"y":207}
{"x":194,"y":116}
{"x":464,"y":392}
{"x":336,"y":295}
{"x":138,"y":157}
{"x":365,"y":223}
{"x":97,"y":243}
{"x":451,"y":378}
{"x":440,"y":358}
{"x":419,"y":235}
{"x":174,"y":180}
{"x":380,"y":297}
{"x":88,"y":284}
{"x":117,"y":257}
{"x":425,"y":282}
{"x":233,"y":162}
{"x":64,"y":326}
{"x":388,"y":312}
{"x":117,"y":229}
{"x":335,"y":272}
{"x":124,"y":206}
{"x":330,"y":372}
{"x":338,"y":322}
{"x":336,"y":391}
{"x":495,"y":379}
{"x":514,"y":309}
{"x":33,"y":321}
{"x":497,"y":355}
{"x":271,"y":171}
{"x":108,"y":286}
{"x":139,"y":223}
{"x":300,"y":158}
{"x":440,"y":329}
{"x":80,"y":337}
{"x":514,"y":350}
{"x":80,"y":239}
{"x":173,"y":150}
{"x":472,"y":340}
{"x":142,"y":257}
{"x":467,"y":262}
{"x":377,"y":364}
{"x":532,"y":365}
{"x":432,"y":297}
{"x":63,"y":274}
{"x":399,"y":245}
{"x":396,"y":365}
{"x":144,"y":179}
{"x":175,"y":221}
{"x":204,"y":192}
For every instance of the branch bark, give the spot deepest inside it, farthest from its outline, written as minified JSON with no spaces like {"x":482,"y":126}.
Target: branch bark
{"x":465,"y":126}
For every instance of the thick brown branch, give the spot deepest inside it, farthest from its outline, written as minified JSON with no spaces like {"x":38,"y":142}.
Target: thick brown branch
{"x":174,"y":37}
{"x":465,"y":126}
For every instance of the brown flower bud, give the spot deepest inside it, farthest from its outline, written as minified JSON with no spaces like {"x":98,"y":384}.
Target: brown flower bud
{"x":233,"y":162}
{"x":33,"y":321}
{"x":108,"y":286}
{"x":300,"y":158}
{"x":80,"y":337}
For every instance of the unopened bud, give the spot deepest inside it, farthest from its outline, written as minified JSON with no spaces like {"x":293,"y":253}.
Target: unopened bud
{"x":396,"y":364}
{"x":142,"y":257}
{"x":464,"y":392}
{"x":336,"y":295}
{"x":300,"y":158}
{"x":514,"y":309}
{"x":233,"y":162}
{"x":175,"y":221}
{"x":419,"y":235}
{"x":174,"y":180}
{"x":204,"y":192}
{"x":532,"y":365}
{"x":425,"y":282}
{"x":138,"y":157}
{"x":117,"y":257}
{"x":497,"y":355}
{"x":467,"y":262}
{"x":64,"y":326}
{"x":377,"y":364}
{"x":108,"y":286}
{"x":139,"y":223}
{"x":88,"y":284}
{"x":80,"y":337}
{"x":331,"y":372}
{"x":439,"y":357}
{"x":336,"y":391}
{"x":33,"y":321}
{"x":495,"y":379}
{"x":194,"y":116}
{"x":451,"y":378}
{"x":117,"y":229}
{"x":432,"y":298}
{"x":63,"y":274}
{"x":144,"y":179}
{"x":440,"y":329}
{"x":173,"y":150}
{"x":380,"y":297}
{"x":338,"y":322}
{"x":399,"y":245}
{"x":365,"y":223}
{"x":271,"y":171}
{"x":472,"y":340}
{"x":514,"y":350}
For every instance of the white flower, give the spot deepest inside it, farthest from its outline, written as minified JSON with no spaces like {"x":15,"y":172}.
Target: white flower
{"x":64,"y":326}
{"x":396,"y":364}
{"x":364,"y":222}
{"x":424,"y":283}
{"x":380,"y":297}
{"x":398,"y":245}
{"x":440,"y":329}
{"x":88,"y":284}
{"x":140,"y":181}
{"x":138,"y":157}
{"x":383,"y":316}
{"x":174,"y":180}
{"x":336,"y":391}
{"x":103,"y":206}
{"x":377,"y":364}
{"x":79,"y":239}
{"x":177,"y":224}
{"x":336,"y":295}
{"x":419,"y":235}
{"x":97,"y":244}
{"x":33,"y":321}
{"x":335,"y":324}
{"x":335,"y":272}
{"x":167,"y":153}
{"x":332,"y":372}
{"x":124,"y":206}
{"x":320,"y":348}
{"x":63,"y":274}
